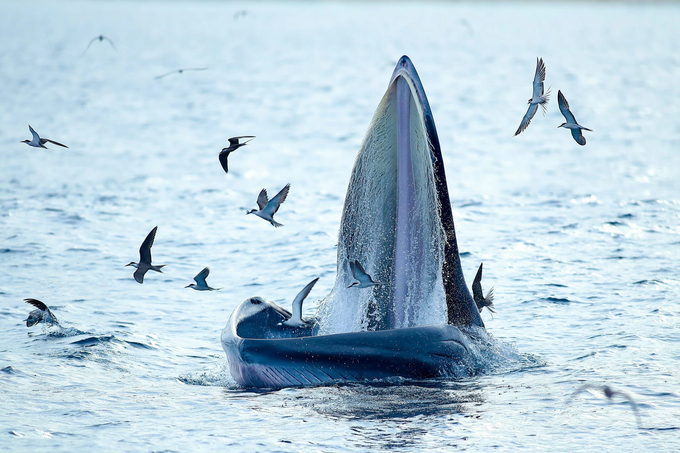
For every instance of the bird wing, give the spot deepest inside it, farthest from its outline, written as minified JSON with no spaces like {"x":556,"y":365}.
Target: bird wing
{"x":539,"y":78}
{"x":164,"y":75}
{"x":34,"y":317}
{"x":531,"y":111}
{"x":145,"y":249}
{"x":477,"y":293}
{"x":262,"y":199}
{"x":88,"y":46}
{"x":234,"y":140}
{"x":37,"y":304}
{"x":45,"y":140}
{"x":302,"y":295}
{"x":578,"y":136}
{"x":359,"y":270}
{"x":224,"y":155}
{"x":110,"y":42}
{"x":276,"y":202}
{"x":139,"y":274}
{"x":201,"y":276}
{"x":353,"y":268}
{"x":564,"y":108}
{"x":34,"y":133}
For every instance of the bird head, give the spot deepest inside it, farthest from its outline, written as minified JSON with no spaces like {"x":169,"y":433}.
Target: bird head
{"x":190,"y":285}
{"x":25,"y":141}
{"x":529,"y":101}
{"x":561,"y":125}
{"x":132,"y":263}
{"x":251,"y":211}
{"x":353,"y":284}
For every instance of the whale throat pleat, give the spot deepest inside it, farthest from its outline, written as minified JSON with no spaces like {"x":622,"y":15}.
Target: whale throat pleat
{"x":391,"y":225}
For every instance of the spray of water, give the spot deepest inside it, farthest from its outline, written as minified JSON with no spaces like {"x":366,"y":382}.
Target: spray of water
{"x":412,"y":293}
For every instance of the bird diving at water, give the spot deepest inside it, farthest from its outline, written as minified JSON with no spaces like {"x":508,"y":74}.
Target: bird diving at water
{"x":363,"y":280}
{"x":179,"y":71}
{"x":234,"y":144}
{"x":269,"y":207}
{"x":99,"y":38}
{"x":478,"y":294}
{"x":538,"y":98}
{"x":201,"y":284}
{"x":610,"y":394}
{"x":39,"y":142}
{"x":296,"y":317}
{"x":42,"y":313}
{"x":144,"y":264}
{"x":571,"y":120}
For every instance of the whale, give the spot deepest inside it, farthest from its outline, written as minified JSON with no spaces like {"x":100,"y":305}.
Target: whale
{"x":397,"y":220}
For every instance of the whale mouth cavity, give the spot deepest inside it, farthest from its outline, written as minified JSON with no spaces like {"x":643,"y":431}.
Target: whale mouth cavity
{"x":391,"y":221}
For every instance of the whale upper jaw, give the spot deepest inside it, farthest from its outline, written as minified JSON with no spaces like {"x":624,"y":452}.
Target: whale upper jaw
{"x":461,"y":309}
{"x":397,"y":222}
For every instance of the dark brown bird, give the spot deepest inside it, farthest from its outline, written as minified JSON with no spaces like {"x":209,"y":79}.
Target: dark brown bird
{"x":233,"y":146}
{"x":144,"y":264}
{"x":478,"y":295}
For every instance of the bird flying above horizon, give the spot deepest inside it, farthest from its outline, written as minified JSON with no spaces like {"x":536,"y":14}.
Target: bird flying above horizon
{"x":538,"y":98}
{"x":269,"y":207}
{"x":201,"y":284}
{"x":99,"y":38}
{"x":571,"y":120}
{"x":234,"y":144}
{"x":39,"y":142}
{"x":144,"y":264}
{"x":179,"y":71}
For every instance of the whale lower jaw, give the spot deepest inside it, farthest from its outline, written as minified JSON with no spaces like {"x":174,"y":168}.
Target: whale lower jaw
{"x":411,"y":353}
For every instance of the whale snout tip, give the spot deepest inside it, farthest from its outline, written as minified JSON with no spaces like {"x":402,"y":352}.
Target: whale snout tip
{"x":404,"y":61}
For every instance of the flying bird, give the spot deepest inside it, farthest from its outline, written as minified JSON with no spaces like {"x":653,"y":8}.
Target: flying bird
{"x":269,"y":207}
{"x":538,"y":97}
{"x":610,"y":394}
{"x":144,"y":264}
{"x":42,"y":313}
{"x":201,"y":284}
{"x":296,"y":318}
{"x":363,"y":280}
{"x":99,"y":38}
{"x":179,"y":71}
{"x":571,"y":121}
{"x":39,"y":142}
{"x":233,"y":146}
{"x":478,"y":294}
{"x":241,"y":13}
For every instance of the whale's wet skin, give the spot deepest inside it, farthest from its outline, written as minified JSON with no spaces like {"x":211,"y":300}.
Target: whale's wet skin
{"x":397,"y":221}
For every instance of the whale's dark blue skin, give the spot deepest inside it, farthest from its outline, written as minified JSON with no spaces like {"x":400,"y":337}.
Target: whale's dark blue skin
{"x":263,"y":352}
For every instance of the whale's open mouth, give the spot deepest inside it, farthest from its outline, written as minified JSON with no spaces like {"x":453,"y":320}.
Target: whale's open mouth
{"x":397,"y":222}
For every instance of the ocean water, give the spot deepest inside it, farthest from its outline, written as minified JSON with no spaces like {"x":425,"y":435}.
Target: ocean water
{"x":580,"y":243}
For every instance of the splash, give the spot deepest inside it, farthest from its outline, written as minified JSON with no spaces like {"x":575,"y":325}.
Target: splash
{"x":391,"y":224}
